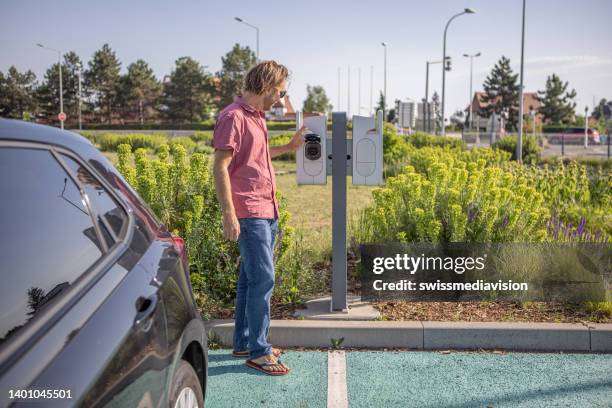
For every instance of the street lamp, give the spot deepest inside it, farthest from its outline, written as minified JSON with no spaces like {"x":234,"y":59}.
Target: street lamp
{"x":465,"y":11}
{"x":519,"y":141}
{"x":384,"y":44}
{"x":586,"y":127}
{"x":471,"y":57}
{"x":256,"y":33}
{"x":426,"y":111}
{"x":79,"y":73}
{"x":61,"y":89}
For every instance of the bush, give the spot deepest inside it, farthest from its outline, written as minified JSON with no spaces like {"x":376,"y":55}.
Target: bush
{"x":446,"y":195}
{"x":109,"y":142}
{"x":205,"y":137}
{"x":280,"y":140}
{"x":420,"y":139}
{"x":184,"y":141}
{"x":531,"y":149}
{"x":180,"y":191}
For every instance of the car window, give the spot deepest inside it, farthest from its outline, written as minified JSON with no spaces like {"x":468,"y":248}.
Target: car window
{"x":49,"y":238}
{"x":103,"y":203}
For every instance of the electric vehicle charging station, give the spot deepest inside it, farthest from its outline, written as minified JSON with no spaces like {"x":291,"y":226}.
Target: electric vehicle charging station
{"x":321,"y":156}
{"x":367,"y":151}
{"x":311,"y":157}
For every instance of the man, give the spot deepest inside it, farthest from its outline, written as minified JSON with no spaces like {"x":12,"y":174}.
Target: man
{"x":246,"y":187}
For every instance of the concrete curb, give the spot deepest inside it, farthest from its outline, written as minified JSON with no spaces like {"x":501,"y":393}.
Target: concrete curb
{"x":433,"y":335}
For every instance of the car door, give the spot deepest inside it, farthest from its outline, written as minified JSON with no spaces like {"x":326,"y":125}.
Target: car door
{"x":85,"y":317}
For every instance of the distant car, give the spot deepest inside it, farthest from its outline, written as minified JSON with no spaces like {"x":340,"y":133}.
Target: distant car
{"x":574,"y":135}
{"x":97,"y":304}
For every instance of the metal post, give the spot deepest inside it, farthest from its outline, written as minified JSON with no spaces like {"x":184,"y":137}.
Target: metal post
{"x":80,"y":116}
{"x":338,"y":107}
{"x":385,"y":81}
{"x":466,"y":11}
{"x":348,"y":93}
{"x":359,"y":91}
{"x":339,"y":160}
{"x":426,"y":107}
{"x":519,"y":142}
{"x":61,"y":90}
{"x":470,"y":95}
{"x":586,"y":127}
{"x":563,"y":143}
{"x":371,"y":87}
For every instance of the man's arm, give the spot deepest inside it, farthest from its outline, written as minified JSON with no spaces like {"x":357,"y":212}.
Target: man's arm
{"x":296,"y":141}
{"x":231,"y":227}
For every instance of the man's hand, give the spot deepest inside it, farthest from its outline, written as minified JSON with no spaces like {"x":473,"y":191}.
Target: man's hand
{"x":231,"y":226}
{"x":298,"y":138}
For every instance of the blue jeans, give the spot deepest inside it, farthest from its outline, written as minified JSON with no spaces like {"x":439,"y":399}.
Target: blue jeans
{"x":255,"y":284}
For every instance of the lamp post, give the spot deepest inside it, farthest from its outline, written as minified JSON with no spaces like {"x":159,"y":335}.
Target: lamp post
{"x":384,"y":44}
{"x":426,"y":110}
{"x":471,"y":57}
{"x":61,"y":89}
{"x":79,"y":73}
{"x":532,"y":114}
{"x":519,"y":142}
{"x":586,"y":127}
{"x":256,"y":34}
{"x":465,"y":11}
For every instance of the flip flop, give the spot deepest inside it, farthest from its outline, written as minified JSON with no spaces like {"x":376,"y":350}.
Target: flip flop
{"x":242,"y":354}
{"x":260,"y":367}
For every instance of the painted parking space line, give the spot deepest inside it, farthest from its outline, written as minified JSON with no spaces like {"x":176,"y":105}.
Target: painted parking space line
{"x":336,"y":380}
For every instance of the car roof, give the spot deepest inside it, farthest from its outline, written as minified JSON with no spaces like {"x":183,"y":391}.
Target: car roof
{"x":11,"y":129}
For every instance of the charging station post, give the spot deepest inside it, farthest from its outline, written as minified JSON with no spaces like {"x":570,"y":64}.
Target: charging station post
{"x":361,"y":156}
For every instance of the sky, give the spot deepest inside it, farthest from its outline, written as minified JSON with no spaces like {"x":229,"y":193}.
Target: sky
{"x":316,"y":38}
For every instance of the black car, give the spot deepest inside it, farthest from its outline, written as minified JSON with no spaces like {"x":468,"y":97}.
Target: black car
{"x":96,"y":304}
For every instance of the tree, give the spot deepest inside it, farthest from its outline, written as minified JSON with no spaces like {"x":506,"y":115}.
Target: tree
{"x":140,"y":91}
{"x":187,"y":94}
{"x":102,"y":78}
{"x":17,"y":94}
{"x":235,"y":65}
{"x":316,"y":100}
{"x":603,"y":109}
{"x":437,"y":114}
{"x":502,"y":93}
{"x":557,"y":105}
{"x":47,"y":93}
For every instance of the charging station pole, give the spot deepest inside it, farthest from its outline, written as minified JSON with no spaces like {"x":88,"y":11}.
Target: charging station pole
{"x":360,"y":156}
{"x":339,"y":164}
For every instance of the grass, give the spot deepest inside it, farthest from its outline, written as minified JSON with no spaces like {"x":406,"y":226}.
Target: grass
{"x":311,"y":206}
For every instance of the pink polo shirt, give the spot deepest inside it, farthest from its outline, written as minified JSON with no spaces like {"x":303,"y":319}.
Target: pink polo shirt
{"x":242,"y":128}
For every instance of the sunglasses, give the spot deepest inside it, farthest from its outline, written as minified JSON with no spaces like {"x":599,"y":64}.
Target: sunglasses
{"x":282,"y":94}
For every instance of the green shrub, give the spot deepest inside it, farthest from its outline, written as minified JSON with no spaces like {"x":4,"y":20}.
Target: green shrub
{"x":184,"y":141}
{"x":447,"y":195}
{"x":200,"y":136}
{"x":530,"y":152}
{"x":280,"y":140}
{"x":109,"y":142}
{"x":180,"y":191}
{"x":420,"y":139}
